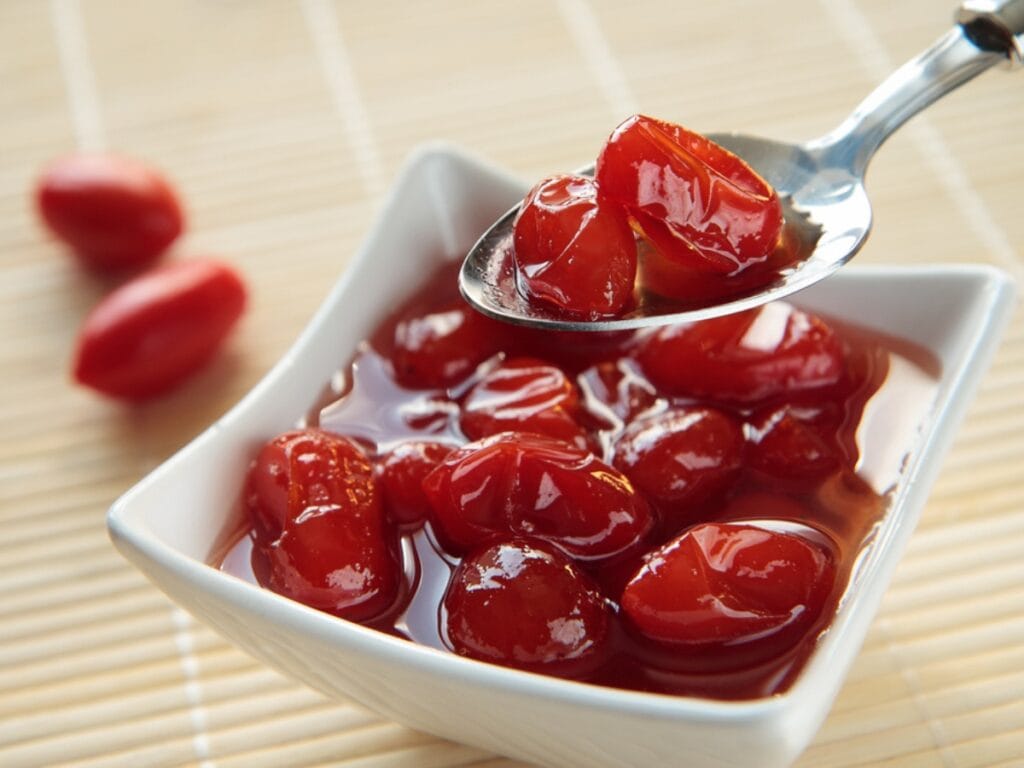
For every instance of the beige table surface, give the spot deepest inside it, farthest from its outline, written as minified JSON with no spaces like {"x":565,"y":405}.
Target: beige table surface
{"x":283,"y":123}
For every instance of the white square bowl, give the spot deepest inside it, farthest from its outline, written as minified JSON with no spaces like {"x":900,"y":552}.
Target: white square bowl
{"x":169,"y":522}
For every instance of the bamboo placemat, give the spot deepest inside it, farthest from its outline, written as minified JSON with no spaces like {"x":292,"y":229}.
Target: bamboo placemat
{"x":283,"y":123}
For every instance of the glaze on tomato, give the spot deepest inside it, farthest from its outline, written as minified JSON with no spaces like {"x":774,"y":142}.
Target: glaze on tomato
{"x":523,"y":395}
{"x":524,"y":604}
{"x":698,"y":203}
{"x":526,"y":484}
{"x":728,"y":587}
{"x":319,"y":524}
{"x":574,"y":249}
{"x":674,"y":511}
{"x":669,"y":215}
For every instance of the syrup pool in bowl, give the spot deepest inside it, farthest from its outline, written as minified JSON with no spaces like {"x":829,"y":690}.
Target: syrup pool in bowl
{"x":407,"y":383}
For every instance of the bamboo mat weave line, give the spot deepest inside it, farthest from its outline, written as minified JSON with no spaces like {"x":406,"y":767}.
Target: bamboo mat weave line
{"x":284,"y":124}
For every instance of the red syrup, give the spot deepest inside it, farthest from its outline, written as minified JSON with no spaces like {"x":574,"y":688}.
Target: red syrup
{"x":820,"y":453}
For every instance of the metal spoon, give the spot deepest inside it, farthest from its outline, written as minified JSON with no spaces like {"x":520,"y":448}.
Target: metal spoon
{"x":821,"y":183}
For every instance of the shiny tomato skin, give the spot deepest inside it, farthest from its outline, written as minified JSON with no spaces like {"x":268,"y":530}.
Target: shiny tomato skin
{"x":727,"y":585}
{"x":442,"y":347}
{"x":788,"y":445}
{"x":153,"y":332}
{"x":526,"y":484}
{"x":666,"y":277}
{"x":772,"y":351}
{"x":573,"y":250}
{"x":618,"y":390}
{"x":299,"y":469}
{"x":115,"y":212}
{"x":524,"y":604}
{"x":698,"y":203}
{"x":316,"y":509}
{"x":523,"y":395}
{"x":681,"y":458}
{"x":401,"y":472}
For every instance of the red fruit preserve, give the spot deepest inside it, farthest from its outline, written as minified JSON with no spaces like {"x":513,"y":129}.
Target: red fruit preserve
{"x":676,"y":511}
{"x":670,"y":218}
{"x":574,"y":249}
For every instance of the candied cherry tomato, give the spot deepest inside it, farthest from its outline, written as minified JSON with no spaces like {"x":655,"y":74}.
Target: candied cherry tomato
{"x":523,"y":604}
{"x":786,"y":444}
{"x":114,"y":212}
{"x":770,"y":351}
{"x":680,"y":282}
{"x":442,"y":347}
{"x":534,"y":485}
{"x":317,"y":513}
{"x":728,"y":585}
{"x":159,"y":328}
{"x":698,"y":203}
{"x":574,"y":250}
{"x":523,"y":395}
{"x":616,"y":391}
{"x":681,"y":458}
{"x":401,"y":472}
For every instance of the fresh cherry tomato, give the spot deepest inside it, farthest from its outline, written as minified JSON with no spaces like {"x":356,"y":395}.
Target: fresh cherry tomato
{"x":523,"y":604}
{"x":698,"y":203}
{"x":574,"y":251}
{"x":767,"y":352}
{"x":523,"y":395}
{"x":728,"y":585}
{"x":316,"y":508}
{"x":532,"y":485}
{"x":681,"y":458}
{"x":114,"y":212}
{"x":442,"y":347}
{"x":401,"y":472}
{"x":156,"y":330}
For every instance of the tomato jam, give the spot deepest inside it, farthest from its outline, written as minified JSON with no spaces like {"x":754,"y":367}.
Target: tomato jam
{"x":670,"y":219}
{"x":677,"y":510}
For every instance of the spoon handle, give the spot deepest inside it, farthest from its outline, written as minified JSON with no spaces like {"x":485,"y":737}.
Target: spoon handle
{"x":987,"y":32}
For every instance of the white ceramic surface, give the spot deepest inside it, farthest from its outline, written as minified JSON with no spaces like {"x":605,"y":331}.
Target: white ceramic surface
{"x":168,"y":523}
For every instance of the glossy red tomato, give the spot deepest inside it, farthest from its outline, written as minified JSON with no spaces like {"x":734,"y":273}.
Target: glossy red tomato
{"x":442,"y":347}
{"x":730,"y":608}
{"x":787,"y":444}
{"x":574,"y":250}
{"x":532,"y":485}
{"x":156,"y":330}
{"x":401,"y":472}
{"x":729,"y":585}
{"x":618,"y":388}
{"x":698,"y":203}
{"x":767,"y":352}
{"x":316,"y":507}
{"x":690,"y":287}
{"x":113,"y":211}
{"x":523,"y":604}
{"x":523,"y":395}
{"x":681,"y":458}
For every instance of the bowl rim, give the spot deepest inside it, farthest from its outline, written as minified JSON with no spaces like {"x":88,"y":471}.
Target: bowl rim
{"x":816,"y":681}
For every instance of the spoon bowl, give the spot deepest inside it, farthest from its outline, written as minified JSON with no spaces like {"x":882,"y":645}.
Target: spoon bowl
{"x":820,"y":183}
